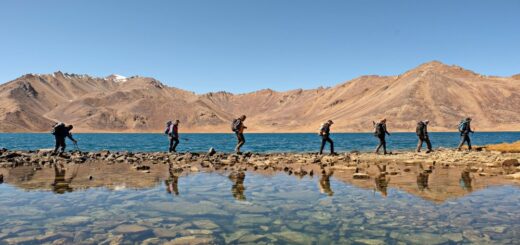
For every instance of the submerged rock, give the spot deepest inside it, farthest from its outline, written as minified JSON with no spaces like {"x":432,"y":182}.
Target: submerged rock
{"x":130,"y":229}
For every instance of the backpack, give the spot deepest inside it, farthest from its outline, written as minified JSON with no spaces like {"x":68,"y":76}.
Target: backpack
{"x":167,"y":130}
{"x":322,"y":127}
{"x":463,"y":126}
{"x":56,"y":128}
{"x":378,"y":129}
{"x":235,"y":125}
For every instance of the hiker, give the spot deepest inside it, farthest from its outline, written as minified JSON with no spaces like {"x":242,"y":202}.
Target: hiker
{"x":325,"y":136}
{"x":238,"y":127}
{"x":172,"y":130}
{"x":422,"y":134}
{"x":465,"y":129}
{"x":60,"y":132}
{"x":380,"y":132}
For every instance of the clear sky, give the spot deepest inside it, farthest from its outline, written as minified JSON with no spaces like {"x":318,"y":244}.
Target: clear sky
{"x":246,"y":45}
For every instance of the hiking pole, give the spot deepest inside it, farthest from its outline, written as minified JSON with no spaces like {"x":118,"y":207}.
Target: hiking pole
{"x":76,"y":146}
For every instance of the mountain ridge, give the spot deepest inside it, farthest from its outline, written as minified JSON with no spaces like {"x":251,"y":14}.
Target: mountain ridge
{"x":441,"y":93}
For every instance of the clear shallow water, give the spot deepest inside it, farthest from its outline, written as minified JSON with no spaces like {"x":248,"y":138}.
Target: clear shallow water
{"x":254,"y":142}
{"x":263,"y":209}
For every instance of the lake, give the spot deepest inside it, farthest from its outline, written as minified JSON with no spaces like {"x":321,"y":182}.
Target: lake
{"x":305,"y":142}
{"x":123,"y":206}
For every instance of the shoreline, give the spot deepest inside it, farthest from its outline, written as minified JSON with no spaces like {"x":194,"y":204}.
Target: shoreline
{"x":480,"y":161}
{"x":253,"y":132}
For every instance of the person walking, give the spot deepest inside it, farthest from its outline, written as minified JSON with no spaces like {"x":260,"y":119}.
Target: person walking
{"x":380,"y":132}
{"x":422,"y":134}
{"x":238,"y":127}
{"x":60,"y":132}
{"x":172,"y":130}
{"x":325,"y":136}
{"x":465,"y":129}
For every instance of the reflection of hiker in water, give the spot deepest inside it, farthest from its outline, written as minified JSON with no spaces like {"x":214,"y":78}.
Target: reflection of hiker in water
{"x":422,"y":178}
{"x":325,"y":183}
{"x":382,"y":180}
{"x":238,"y":185}
{"x":171,"y":185}
{"x":62,"y":184}
{"x":465,"y":180}
{"x":422,"y":181}
{"x":172,"y":182}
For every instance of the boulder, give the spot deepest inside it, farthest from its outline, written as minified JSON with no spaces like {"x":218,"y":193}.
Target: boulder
{"x":510,"y":163}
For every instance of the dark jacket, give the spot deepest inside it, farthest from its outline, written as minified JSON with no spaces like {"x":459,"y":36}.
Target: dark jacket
{"x":380,"y":130}
{"x":325,"y":129}
{"x":422,"y":130}
{"x":467,"y":129}
{"x":173,"y":131}
{"x":62,"y":132}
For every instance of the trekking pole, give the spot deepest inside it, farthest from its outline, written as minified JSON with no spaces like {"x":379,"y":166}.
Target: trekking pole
{"x":76,"y":146}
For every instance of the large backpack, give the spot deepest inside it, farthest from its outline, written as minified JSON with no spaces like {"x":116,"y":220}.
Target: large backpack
{"x":167,"y":130}
{"x":463,"y":126}
{"x":235,"y":125}
{"x":57,"y":127}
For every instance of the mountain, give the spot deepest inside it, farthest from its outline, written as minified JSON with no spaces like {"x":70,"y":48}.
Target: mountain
{"x":441,"y":93}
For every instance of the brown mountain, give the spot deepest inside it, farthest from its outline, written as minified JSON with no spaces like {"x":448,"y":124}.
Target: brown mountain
{"x":435,"y":91}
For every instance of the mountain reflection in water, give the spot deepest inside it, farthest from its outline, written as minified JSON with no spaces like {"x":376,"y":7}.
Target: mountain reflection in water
{"x":435,"y":185}
{"x":116,"y":203}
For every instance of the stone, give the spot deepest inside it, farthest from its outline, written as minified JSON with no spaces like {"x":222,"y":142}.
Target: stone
{"x":514,"y":176}
{"x":191,"y":240}
{"x":294,"y":237}
{"x":510,"y":163}
{"x":205,"y":224}
{"x":75,"y":220}
{"x":130,"y":229}
{"x":142,"y":167}
{"x":370,"y":241}
{"x":19,"y":240}
{"x":455,"y":237}
{"x":165,"y":233}
{"x":360,"y":176}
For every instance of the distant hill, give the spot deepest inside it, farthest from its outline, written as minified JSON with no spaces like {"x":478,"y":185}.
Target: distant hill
{"x":435,"y":91}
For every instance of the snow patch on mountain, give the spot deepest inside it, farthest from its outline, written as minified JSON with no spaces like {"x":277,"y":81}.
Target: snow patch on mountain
{"x":117,"y":78}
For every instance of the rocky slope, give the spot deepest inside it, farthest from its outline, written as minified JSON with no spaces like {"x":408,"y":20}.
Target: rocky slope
{"x":435,"y":91}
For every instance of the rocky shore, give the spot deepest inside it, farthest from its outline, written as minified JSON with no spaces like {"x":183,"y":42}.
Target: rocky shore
{"x":483,"y":163}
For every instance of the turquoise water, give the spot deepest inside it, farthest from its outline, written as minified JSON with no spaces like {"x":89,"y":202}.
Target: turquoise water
{"x":263,"y":209}
{"x":254,"y":142}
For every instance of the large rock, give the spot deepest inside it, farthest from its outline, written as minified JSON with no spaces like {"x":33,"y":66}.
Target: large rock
{"x":131,"y":229}
{"x":510,"y":163}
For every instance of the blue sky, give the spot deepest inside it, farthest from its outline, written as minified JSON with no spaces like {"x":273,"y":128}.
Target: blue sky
{"x":245,"y":45}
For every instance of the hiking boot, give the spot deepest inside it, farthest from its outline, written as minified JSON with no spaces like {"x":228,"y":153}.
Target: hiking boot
{"x":333,"y":154}
{"x":428,"y":151}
